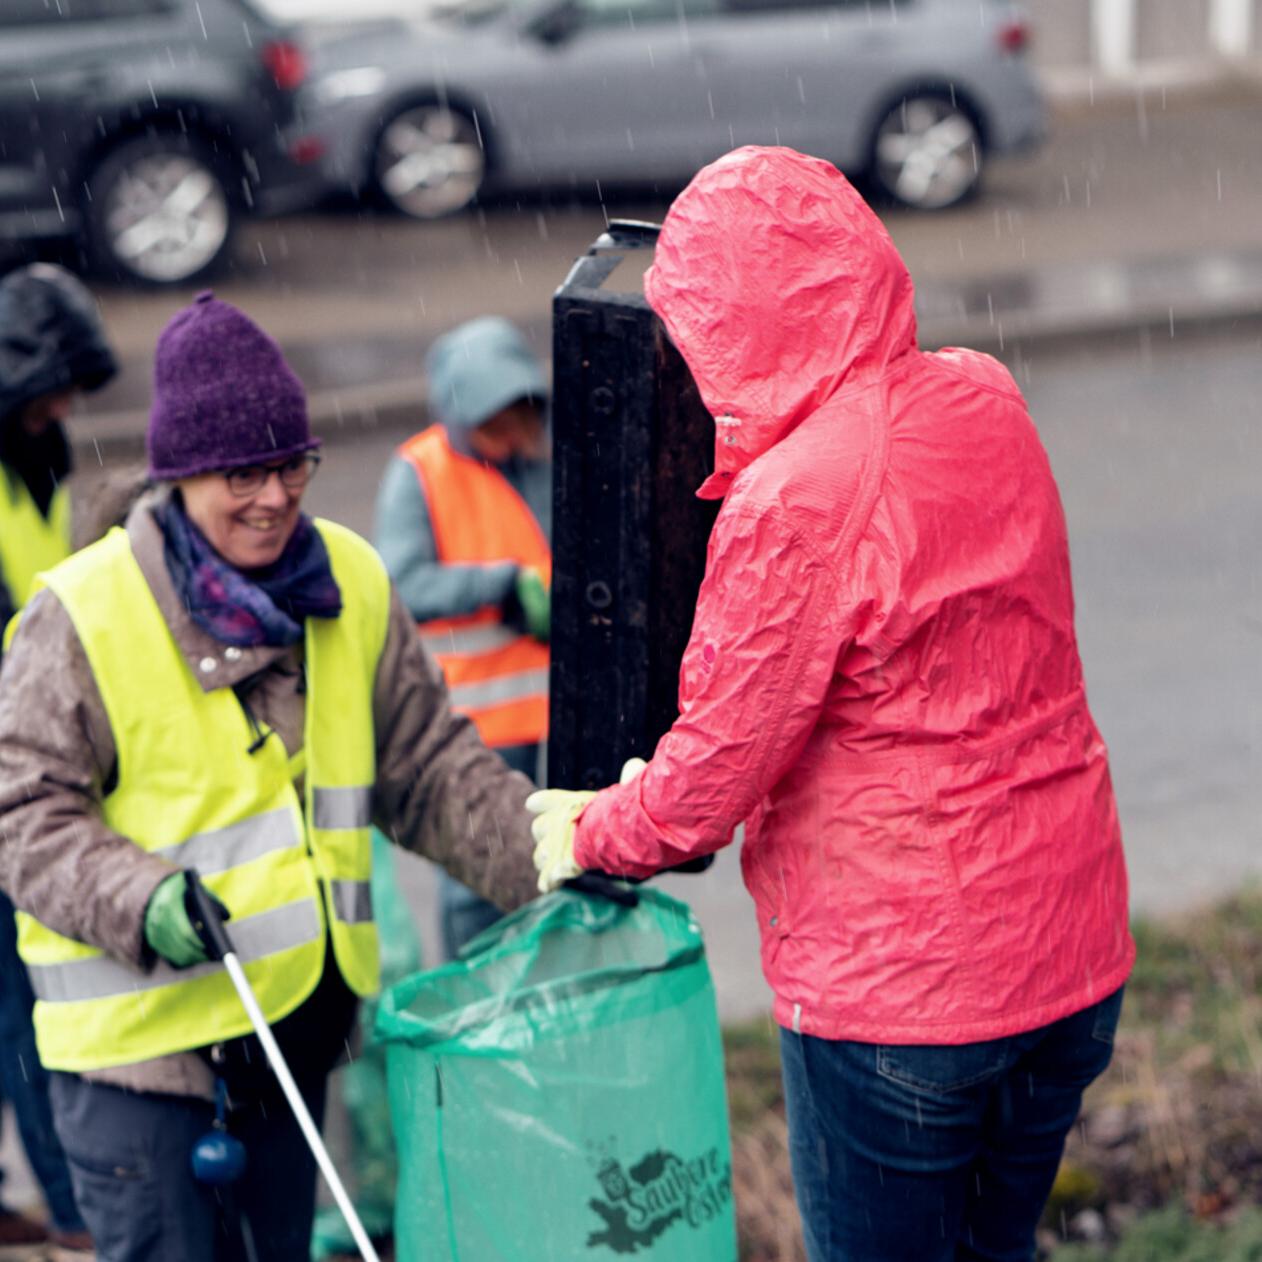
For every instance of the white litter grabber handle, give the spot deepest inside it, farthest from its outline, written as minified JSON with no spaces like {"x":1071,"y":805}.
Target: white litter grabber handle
{"x":212,"y":932}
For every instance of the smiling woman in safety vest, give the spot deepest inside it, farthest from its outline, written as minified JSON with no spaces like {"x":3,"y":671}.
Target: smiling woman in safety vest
{"x":230,"y":686}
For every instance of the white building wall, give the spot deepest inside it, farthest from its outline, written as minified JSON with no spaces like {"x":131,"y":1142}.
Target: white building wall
{"x":1145,"y":41}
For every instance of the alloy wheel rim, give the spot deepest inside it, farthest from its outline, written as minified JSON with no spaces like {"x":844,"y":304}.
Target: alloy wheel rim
{"x":430,"y":162}
{"x":166,"y":217}
{"x":927,"y":153}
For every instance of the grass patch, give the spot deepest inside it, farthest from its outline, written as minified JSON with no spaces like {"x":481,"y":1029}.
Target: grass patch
{"x":1165,"y":1164}
{"x":1174,"y":1235}
{"x":766,"y":1214}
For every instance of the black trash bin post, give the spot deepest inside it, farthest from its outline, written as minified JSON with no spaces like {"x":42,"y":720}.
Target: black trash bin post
{"x":631,"y":445}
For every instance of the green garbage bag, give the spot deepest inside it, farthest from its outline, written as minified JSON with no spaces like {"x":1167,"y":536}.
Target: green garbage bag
{"x":558,"y":1092}
{"x":366,"y":1156}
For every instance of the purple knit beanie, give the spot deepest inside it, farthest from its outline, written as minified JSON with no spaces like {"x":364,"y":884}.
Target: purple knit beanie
{"x":223,"y":395}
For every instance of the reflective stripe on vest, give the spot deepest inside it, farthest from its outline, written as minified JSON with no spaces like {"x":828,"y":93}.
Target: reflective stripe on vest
{"x":29,"y":541}
{"x":99,"y":977}
{"x":453,"y":639}
{"x":230,"y":847}
{"x":334,"y":809}
{"x":190,"y":790}
{"x":352,"y":901}
{"x":497,"y":676}
{"x":493,"y":692}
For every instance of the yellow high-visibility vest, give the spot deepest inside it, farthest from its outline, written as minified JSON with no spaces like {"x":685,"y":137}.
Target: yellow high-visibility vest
{"x":29,"y":541}
{"x":292,"y":874}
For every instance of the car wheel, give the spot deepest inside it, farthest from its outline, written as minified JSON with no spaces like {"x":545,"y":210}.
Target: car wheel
{"x":429,"y":161}
{"x":927,"y":153}
{"x":159,"y":211}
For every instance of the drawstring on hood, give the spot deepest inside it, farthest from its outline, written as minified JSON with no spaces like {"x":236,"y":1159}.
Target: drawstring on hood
{"x":779,"y":286}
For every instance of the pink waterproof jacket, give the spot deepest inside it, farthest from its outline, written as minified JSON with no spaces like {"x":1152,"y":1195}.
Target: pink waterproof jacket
{"x":883,"y":679}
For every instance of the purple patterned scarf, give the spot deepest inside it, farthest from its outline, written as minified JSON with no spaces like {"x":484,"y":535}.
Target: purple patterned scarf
{"x":269,"y":606}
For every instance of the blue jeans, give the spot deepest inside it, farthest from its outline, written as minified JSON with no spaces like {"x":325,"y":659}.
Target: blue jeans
{"x":935,"y":1153}
{"x":24,"y":1081}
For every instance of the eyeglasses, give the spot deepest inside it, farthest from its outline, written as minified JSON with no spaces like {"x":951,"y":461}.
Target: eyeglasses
{"x":294,"y":473}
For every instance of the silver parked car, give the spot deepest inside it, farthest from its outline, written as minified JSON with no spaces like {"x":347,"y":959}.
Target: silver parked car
{"x":495,"y":95}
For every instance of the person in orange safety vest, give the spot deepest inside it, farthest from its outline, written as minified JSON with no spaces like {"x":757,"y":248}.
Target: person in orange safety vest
{"x":463,"y":521}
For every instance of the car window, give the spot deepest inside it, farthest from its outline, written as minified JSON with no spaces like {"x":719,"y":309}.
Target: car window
{"x":350,"y":12}
{"x":639,"y":12}
{"x":781,"y":6}
{"x":30,"y":13}
{"x":47,"y":12}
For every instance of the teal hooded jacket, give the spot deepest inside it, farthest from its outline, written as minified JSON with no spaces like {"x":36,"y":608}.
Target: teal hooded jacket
{"x":473,"y":371}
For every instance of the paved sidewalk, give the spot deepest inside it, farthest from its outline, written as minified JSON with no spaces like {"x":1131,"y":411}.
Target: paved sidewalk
{"x":372,"y":382}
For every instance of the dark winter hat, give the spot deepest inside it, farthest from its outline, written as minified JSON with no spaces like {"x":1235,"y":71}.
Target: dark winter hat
{"x":51,"y":337}
{"x":223,"y":395}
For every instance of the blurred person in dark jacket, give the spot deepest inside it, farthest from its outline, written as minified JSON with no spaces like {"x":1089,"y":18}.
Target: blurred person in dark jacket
{"x":52,"y":347}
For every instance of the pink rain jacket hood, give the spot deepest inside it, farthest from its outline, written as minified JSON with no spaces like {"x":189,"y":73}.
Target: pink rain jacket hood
{"x":882,"y":680}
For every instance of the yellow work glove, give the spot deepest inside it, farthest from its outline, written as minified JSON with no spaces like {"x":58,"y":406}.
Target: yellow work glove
{"x":556,"y":813}
{"x":630,"y":769}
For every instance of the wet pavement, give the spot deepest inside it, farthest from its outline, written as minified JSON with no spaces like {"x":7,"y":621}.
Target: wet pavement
{"x":1083,"y":300}
{"x":357,"y":375}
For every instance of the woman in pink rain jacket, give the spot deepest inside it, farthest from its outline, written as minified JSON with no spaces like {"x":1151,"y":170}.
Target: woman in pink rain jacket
{"x":883,"y":682}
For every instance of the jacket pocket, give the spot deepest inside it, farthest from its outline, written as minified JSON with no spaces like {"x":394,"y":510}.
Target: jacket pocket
{"x":940,"y":1069}
{"x":122,"y":1204}
{"x":767,"y":881}
{"x":101,"y":1166}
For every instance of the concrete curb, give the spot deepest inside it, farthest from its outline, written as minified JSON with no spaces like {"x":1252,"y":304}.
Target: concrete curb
{"x":1014,"y":333}
{"x":1143,"y":338}
{"x":341,"y":416}
{"x":1071,"y":88}
{"x":336,"y":415}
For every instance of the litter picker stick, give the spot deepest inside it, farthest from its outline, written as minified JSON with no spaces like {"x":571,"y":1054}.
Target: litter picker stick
{"x":216,"y":937}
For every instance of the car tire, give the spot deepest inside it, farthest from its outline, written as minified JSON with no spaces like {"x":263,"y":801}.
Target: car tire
{"x":159,"y":211}
{"x":429,"y":161}
{"x":926,"y":152}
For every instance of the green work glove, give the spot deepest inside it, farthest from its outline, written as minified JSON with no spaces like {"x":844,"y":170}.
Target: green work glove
{"x":168,"y":928}
{"x":535,"y":601}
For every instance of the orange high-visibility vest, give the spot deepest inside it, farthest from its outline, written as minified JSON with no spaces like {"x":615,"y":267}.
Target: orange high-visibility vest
{"x":497,"y":676}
